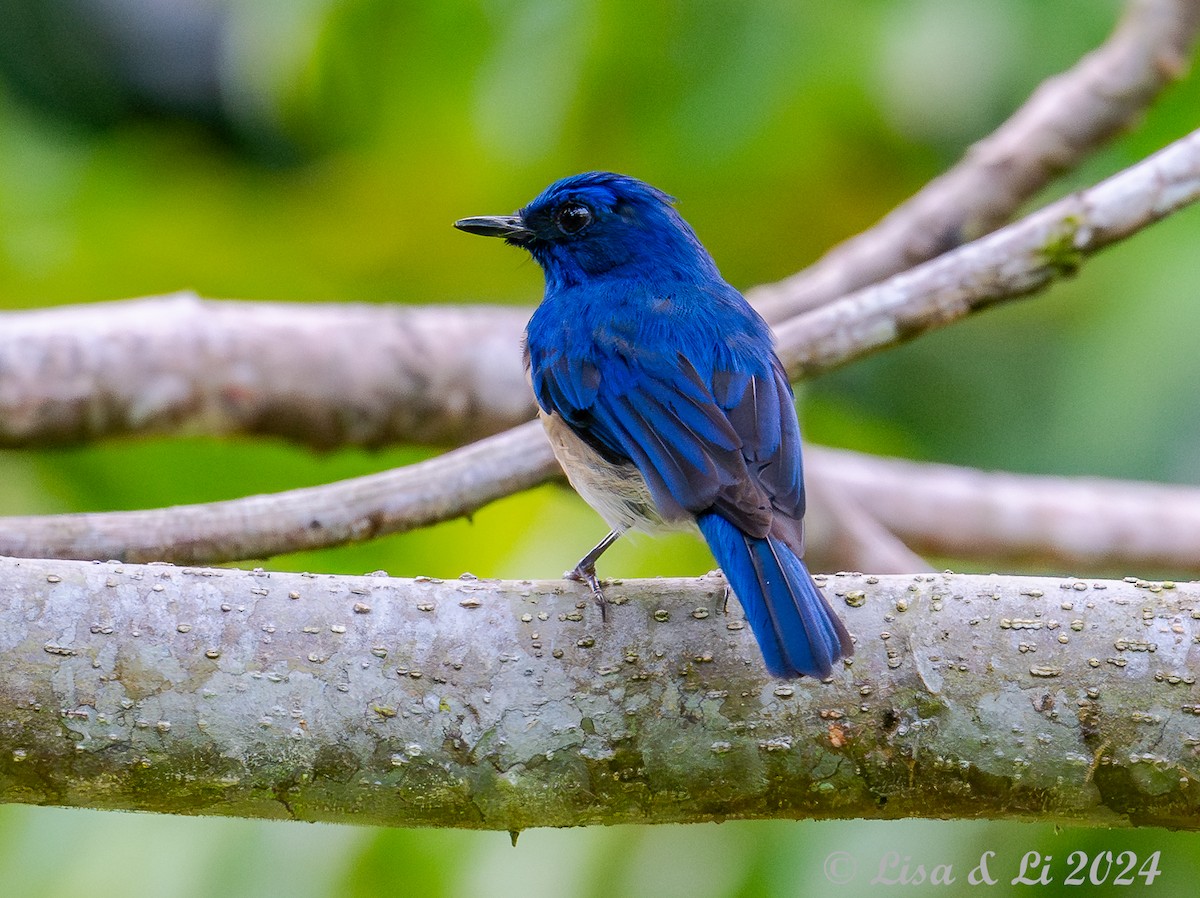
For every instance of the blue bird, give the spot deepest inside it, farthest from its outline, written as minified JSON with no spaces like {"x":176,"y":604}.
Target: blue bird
{"x":665,"y":403}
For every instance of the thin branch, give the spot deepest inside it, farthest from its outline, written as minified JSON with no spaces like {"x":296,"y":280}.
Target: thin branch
{"x":1066,"y":118}
{"x":843,"y":535}
{"x":1016,"y":261}
{"x":1071,"y":523}
{"x":501,"y":705}
{"x":449,"y":486}
{"x":1008,"y":264}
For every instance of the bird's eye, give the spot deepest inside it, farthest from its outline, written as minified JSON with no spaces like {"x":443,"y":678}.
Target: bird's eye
{"x":573,"y":218}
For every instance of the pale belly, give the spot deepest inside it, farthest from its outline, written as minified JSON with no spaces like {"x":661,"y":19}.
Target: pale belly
{"x":617,"y":492}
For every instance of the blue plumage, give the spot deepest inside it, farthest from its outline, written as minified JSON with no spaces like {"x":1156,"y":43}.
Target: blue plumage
{"x":665,"y":402}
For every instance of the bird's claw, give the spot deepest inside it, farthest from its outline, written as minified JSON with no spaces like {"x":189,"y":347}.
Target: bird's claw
{"x":587,"y":574}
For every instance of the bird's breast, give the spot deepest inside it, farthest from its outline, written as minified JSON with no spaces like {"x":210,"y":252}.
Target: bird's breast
{"x":617,"y":492}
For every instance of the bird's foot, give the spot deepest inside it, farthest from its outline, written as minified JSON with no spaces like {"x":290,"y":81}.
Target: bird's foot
{"x":586,"y":573}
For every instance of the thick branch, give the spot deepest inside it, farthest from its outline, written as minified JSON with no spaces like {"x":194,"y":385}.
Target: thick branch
{"x":1062,"y":122}
{"x":1011,"y":263}
{"x":498,"y":705}
{"x":325,"y":375}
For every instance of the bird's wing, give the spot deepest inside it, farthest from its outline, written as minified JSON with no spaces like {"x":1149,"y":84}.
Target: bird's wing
{"x":763,"y":413}
{"x":726,"y":442}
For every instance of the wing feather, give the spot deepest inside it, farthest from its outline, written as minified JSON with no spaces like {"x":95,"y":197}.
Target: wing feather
{"x":707,"y":433}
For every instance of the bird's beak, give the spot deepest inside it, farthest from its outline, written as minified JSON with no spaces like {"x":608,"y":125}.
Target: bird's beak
{"x":510,"y":227}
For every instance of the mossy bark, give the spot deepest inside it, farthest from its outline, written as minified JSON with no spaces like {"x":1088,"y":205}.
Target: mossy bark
{"x":508,"y":705}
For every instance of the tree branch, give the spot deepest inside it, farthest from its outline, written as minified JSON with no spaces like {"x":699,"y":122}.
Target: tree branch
{"x":493,"y":705}
{"x":329,"y":375}
{"x":1015,"y":261}
{"x":324,"y":375}
{"x":1066,"y":118}
{"x":1070,"y":523}
{"x":842,"y":535}
{"x":1008,"y":264}
{"x":449,"y":486}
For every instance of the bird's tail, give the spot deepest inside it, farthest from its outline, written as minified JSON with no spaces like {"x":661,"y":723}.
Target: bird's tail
{"x":797,"y":630}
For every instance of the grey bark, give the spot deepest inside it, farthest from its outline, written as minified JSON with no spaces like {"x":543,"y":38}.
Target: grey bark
{"x":506,"y":705}
{"x":323,"y":375}
{"x":448,"y":486}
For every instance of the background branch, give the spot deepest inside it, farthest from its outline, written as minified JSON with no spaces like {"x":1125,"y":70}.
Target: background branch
{"x":370,"y":375}
{"x":1015,"y":261}
{"x":842,"y":535}
{"x":495,"y":705}
{"x":1066,"y":118}
{"x":1011,"y":263}
{"x":449,"y":486}
{"x":940,"y":509}
{"x":1068,"y":523}
{"x":323,"y":375}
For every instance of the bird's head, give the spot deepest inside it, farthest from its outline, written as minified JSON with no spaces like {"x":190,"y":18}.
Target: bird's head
{"x":600,"y":223}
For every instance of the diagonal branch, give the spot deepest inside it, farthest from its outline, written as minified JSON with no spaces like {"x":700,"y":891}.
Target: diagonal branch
{"x":1018,"y":260}
{"x":1009,"y":264}
{"x":1066,"y":118}
{"x":843,"y":535}
{"x":449,"y":486}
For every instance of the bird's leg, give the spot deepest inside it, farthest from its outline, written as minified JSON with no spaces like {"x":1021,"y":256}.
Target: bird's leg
{"x":585,"y":571}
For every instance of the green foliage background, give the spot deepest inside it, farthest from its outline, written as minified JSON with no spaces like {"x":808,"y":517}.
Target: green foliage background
{"x":352,"y":133}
